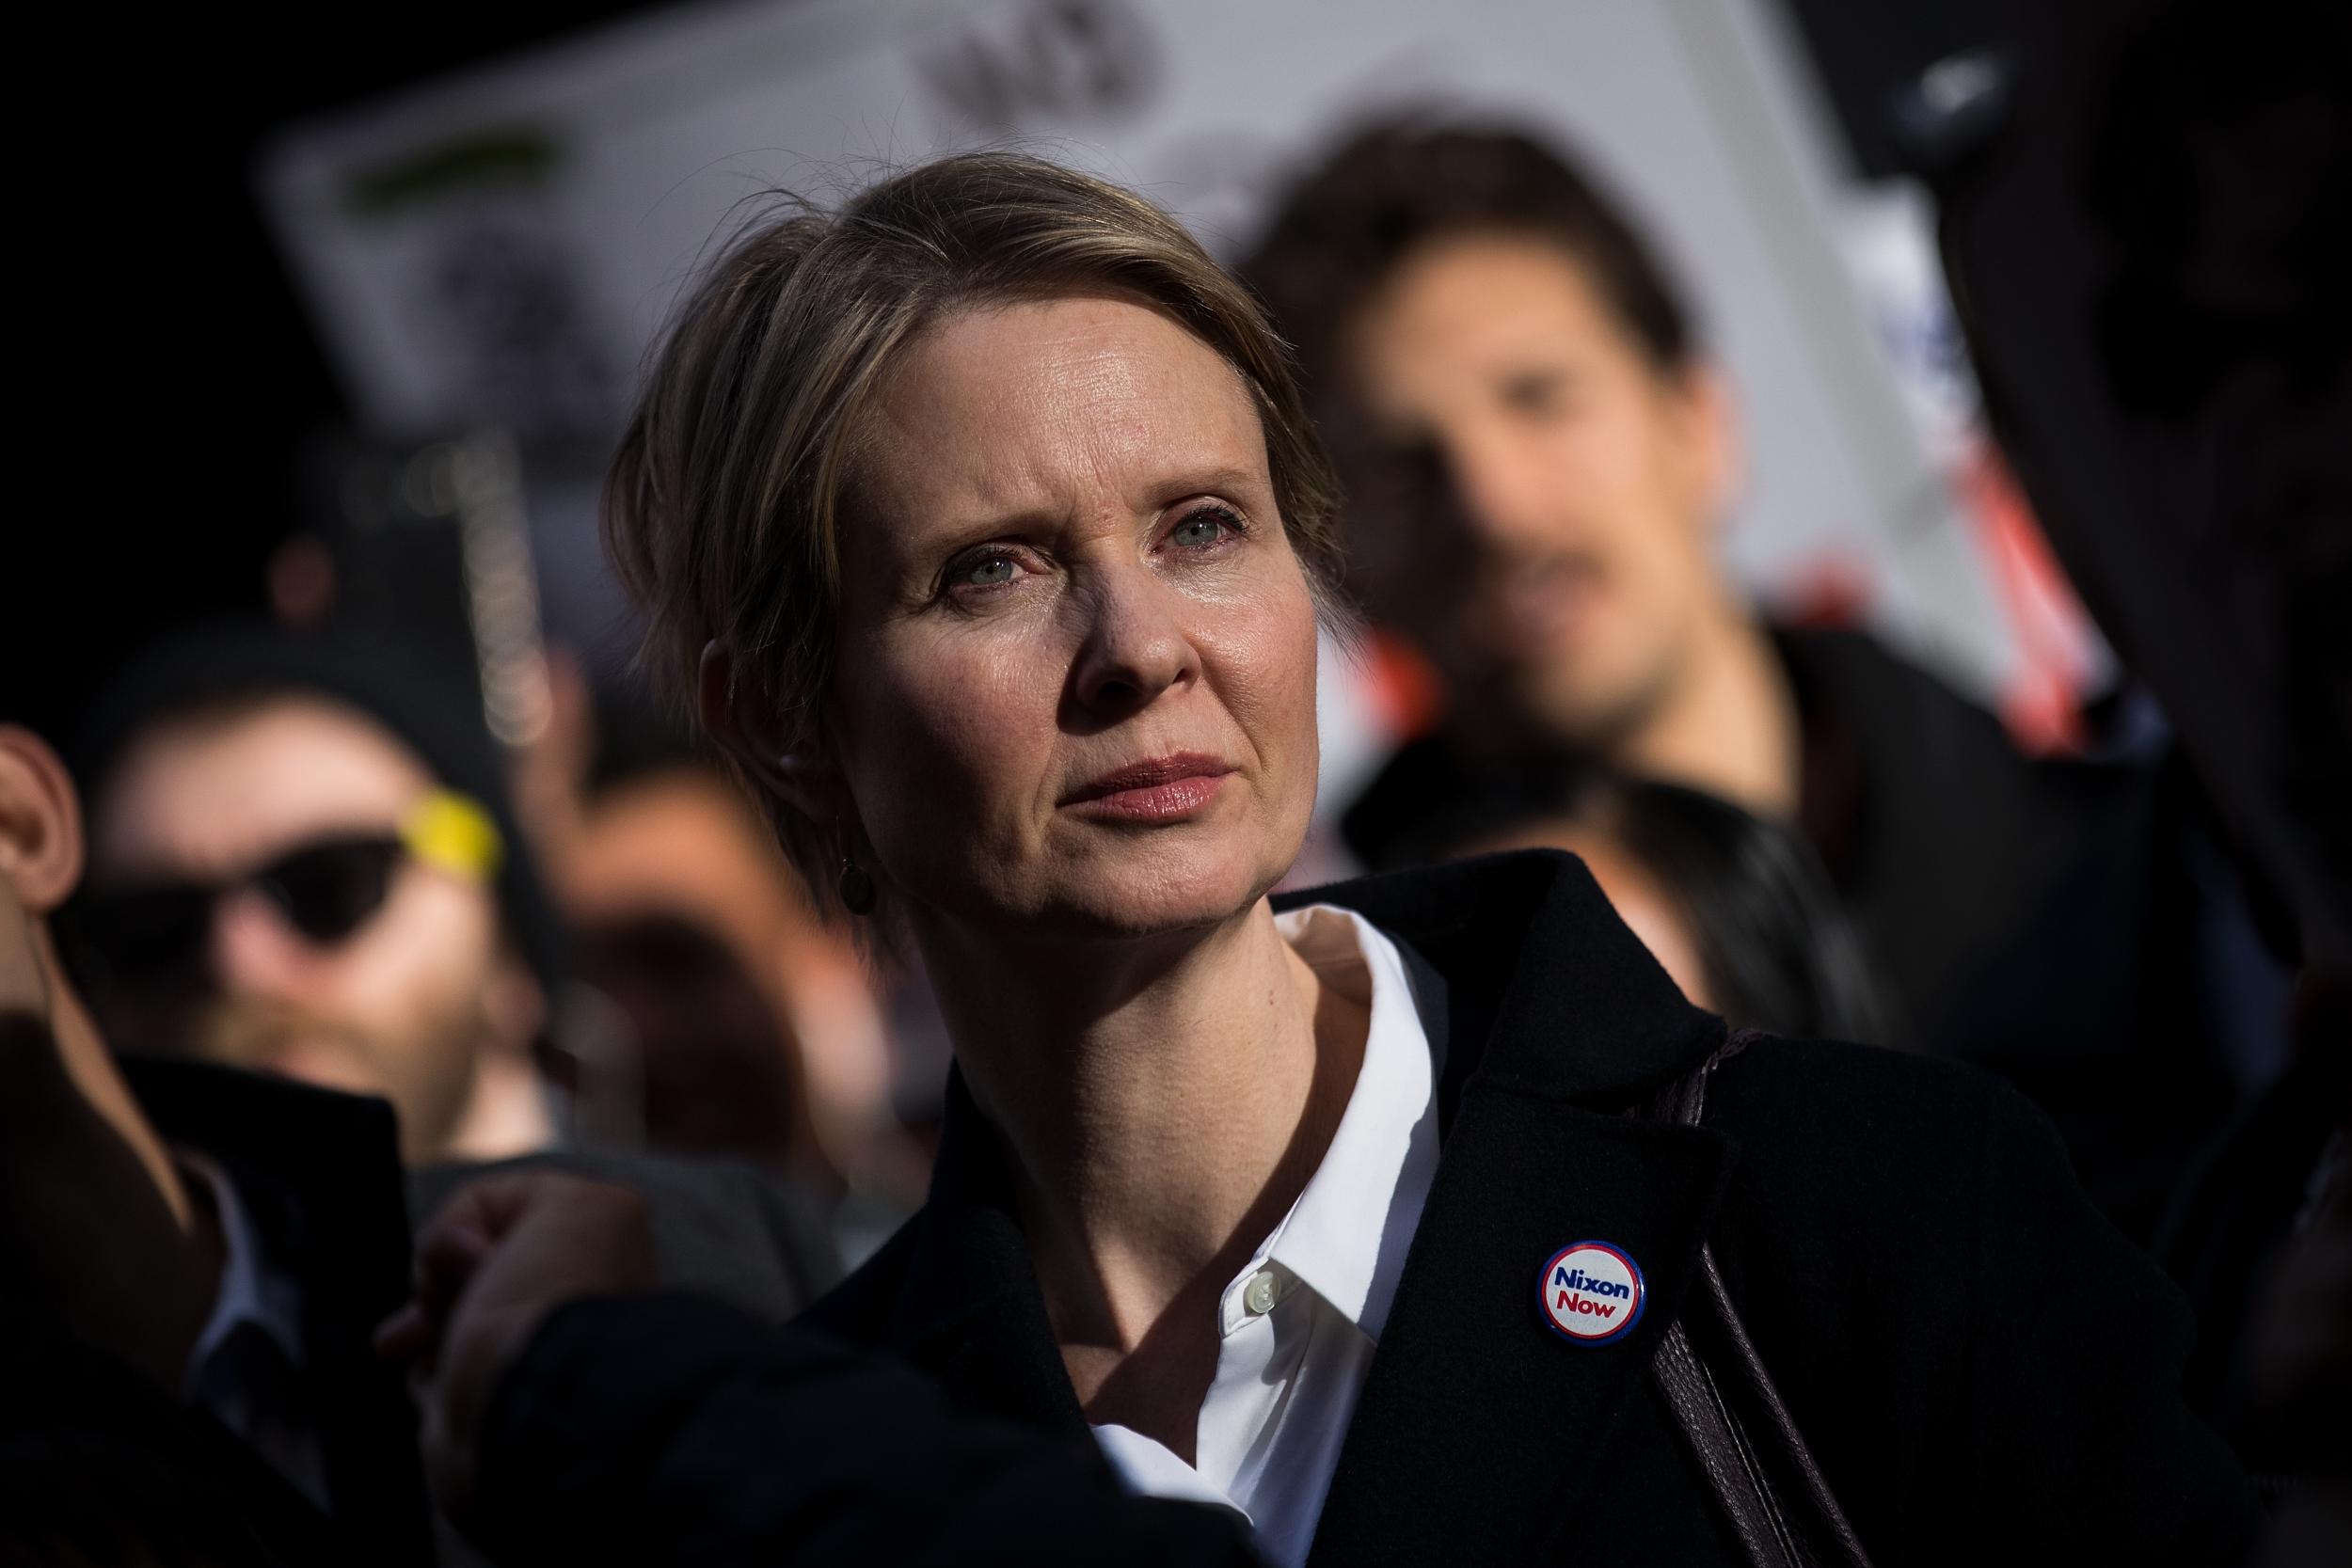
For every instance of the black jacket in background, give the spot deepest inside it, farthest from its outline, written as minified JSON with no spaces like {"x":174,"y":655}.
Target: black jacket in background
{"x":99,"y":1463}
{"x":1986,"y":1372}
{"x":2035,"y":917}
{"x":320,"y":1174}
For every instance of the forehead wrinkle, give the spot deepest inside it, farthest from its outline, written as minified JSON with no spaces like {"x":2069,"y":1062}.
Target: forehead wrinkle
{"x":989,"y":438}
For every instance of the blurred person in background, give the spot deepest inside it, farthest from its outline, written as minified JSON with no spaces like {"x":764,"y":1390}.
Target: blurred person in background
{"x":759,"y":1032}
{"x":2142,"y":208}
{"x":1736,"y":908}
{"x":200,"y":1257}
{"x":302,"y":861}
{"x":1539,"y":453}
{"x":232,"y":1238}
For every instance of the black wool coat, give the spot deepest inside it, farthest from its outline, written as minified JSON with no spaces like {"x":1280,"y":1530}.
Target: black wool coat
{"x":1983,"y":1368}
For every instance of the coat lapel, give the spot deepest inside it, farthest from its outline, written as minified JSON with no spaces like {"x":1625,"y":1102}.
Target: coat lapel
{"x":1470,"y":1383}
{"x":1479,"y":1425}
{"x":971,"y":1314}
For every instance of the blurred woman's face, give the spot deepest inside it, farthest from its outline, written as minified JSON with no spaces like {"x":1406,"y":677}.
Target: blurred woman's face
{"x":1075,"y":679}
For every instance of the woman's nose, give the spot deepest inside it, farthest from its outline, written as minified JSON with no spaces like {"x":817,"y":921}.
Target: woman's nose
{"x":1136,"y":646}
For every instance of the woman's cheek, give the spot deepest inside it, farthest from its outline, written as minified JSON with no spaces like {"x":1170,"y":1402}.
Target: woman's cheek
{"x":1266,"y":661}
{"x":973,"y":720}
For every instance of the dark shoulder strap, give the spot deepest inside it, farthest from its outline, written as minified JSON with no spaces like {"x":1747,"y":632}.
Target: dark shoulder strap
{"x":1739,"y":1431}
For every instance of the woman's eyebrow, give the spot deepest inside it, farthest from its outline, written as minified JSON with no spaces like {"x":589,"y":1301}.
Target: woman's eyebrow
{"x":923,"y":548}
{"x":912,"y":558}
{"x":980,"y":528}
{"x":1221,"y":479}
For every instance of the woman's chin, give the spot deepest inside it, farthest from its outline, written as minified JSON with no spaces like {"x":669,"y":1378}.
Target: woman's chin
{"x":1168,"y":895}
{"x":1091,"y":888}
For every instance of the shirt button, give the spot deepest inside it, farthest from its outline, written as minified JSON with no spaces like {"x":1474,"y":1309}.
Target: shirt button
{"x":1259,"y":1293}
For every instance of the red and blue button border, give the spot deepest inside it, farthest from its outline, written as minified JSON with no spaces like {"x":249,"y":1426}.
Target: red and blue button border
{"x":1641,"y":1293}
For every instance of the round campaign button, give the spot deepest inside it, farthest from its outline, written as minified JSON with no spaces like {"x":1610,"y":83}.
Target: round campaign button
{"x":1592,"y":1293}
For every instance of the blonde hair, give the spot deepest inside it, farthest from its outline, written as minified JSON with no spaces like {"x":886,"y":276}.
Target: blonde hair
{"x":723,"y":511}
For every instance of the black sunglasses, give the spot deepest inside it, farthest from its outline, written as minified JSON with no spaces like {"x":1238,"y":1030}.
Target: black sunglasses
{"x":326,"y":890}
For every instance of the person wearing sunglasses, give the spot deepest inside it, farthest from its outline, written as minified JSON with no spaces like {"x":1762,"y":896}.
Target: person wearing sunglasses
{"x":299,"y":859}
{"x":326,"y":890}
{"x":290,"y":874}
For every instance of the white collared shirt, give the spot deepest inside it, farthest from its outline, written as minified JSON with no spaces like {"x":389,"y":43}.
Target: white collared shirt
{"x":1300,"y":1322}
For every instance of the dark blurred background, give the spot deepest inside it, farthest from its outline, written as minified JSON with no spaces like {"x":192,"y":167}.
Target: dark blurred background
{"x":186,"y":386}
{"x":223,"y":416}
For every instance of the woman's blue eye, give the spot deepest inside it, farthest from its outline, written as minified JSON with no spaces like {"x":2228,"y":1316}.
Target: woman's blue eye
{"x":1205,"y":526}
{"x":990,"y":571}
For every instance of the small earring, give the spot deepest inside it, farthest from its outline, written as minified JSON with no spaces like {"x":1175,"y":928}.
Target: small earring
{"x":856,"y":888}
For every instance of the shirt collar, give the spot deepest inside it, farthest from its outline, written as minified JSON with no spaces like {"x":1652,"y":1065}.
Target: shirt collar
{"x":1346,"y":1235}
{"x":250,"y":1290}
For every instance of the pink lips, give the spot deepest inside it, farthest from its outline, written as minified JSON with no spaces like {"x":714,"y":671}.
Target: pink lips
{"x":1164,"y":789}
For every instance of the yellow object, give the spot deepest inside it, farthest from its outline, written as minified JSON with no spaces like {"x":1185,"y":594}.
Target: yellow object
{"x":452,"y":832}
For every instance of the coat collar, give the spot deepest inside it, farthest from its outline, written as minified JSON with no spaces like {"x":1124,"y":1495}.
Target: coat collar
{"x":1555,"y":1020}
{"x":970,"y":1312}
{"x":1550,"y":1020}
{"x":1542,"y":984}
{"x":319,"y":1174}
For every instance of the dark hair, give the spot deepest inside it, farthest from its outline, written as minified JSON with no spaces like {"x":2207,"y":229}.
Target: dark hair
{"x":426,"y":704}
{"x":1394,"y":186}
{"x":1779,"y":951}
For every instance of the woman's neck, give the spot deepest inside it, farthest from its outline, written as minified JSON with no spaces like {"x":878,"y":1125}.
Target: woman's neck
{"x":1165,"y":1103}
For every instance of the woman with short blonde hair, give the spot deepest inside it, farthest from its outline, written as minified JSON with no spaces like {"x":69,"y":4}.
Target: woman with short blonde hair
{"x":723,"y":509}
{"x":1417,"y":1219}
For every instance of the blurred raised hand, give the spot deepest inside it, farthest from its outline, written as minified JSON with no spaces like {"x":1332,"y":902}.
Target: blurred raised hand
{"x":498,"y":1258}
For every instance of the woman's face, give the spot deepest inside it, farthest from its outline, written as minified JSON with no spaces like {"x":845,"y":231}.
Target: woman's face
{"x":1075,"y":677}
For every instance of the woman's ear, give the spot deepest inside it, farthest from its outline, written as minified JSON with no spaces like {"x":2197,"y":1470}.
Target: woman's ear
{"x":740,"y":717}
{"x":40,"y":823}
